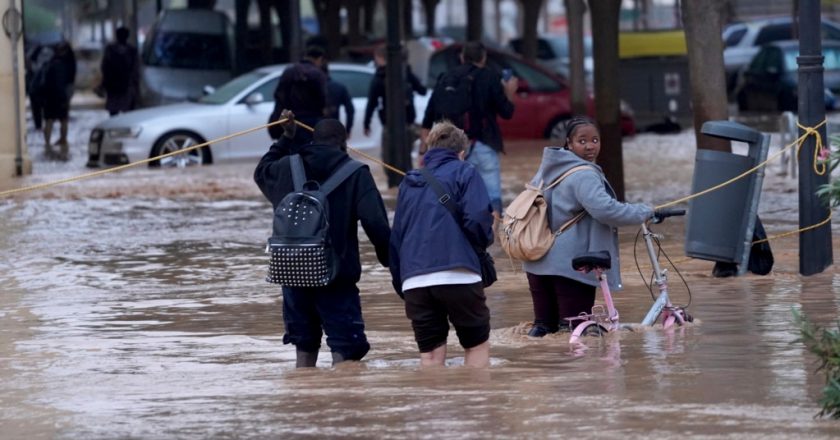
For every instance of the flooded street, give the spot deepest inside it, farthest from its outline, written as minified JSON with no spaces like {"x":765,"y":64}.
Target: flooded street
{"x":135,"y":306}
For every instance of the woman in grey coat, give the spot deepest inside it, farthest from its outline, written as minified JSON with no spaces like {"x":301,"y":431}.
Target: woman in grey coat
{"x":558,"y":291}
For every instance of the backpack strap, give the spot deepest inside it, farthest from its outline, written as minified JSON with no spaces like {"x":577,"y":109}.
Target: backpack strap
{"x":567,"y":174}
{"x":298,"y":172}
{"x":571,"y":222}
{"x":443,"y":197}
{"x":340,"y":175}
{"x":446,"y":200}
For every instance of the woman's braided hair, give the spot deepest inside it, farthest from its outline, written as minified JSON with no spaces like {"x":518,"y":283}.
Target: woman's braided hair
{"x":574,"y":123}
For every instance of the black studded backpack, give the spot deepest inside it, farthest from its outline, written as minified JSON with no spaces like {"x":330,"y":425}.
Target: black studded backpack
{"x":300,"y":248}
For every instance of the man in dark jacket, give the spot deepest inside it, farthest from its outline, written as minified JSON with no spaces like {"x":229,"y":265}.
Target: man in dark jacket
{"x":120,"y":74}
{"x":302,"y":89}
{"x":60,"y":76}
{"x":491,"y":98}
{"x":433,"y":262}
{"x":376,"y":100}
{"x":338,"y":96}
{"x":335,"y":308}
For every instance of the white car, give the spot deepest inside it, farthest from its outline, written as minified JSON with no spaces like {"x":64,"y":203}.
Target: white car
{"x":244,"y":102}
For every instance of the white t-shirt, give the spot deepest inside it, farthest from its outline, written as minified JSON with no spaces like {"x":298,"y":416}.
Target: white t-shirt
{"x":444,"y":277}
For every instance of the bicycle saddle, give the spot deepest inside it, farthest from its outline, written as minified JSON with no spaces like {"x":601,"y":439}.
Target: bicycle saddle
{"x":590,"y":260}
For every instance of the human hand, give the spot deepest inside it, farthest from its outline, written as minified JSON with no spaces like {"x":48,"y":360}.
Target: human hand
{"x":511,"y":86}
{"x":289,"y":126}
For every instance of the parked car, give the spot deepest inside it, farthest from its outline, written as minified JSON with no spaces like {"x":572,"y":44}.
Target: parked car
{"x":553,"y":53}
{"x":543,"y":102}
{"x":242,"y":103}
{"x":185,"y":50}
{"x":742,"y":41}
{"x":770,"y":83}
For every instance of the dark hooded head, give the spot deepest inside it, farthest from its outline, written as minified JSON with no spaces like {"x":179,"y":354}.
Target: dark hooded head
{"x":302,"y":89}
{"x":330,"y":132}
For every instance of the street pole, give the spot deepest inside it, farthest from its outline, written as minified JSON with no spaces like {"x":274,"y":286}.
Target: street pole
{"x":398,"y":152}
{"x":814,"y":245}
{"x":12,"y":25}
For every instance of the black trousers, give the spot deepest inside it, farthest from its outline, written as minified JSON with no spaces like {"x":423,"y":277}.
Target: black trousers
{"x":556,"y":298}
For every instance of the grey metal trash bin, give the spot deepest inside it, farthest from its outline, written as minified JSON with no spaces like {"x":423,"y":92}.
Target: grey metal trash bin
{"x":720,"y":224}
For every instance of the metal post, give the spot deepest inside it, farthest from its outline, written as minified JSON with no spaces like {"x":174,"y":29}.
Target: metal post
{"x":12,"y":24}
{"x":398,"y":150}
{"x":815,"y":252}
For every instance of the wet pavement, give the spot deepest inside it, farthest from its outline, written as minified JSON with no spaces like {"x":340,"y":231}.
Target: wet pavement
{"x":134,"y":306}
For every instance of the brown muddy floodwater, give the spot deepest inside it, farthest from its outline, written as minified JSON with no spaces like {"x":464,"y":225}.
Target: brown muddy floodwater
{"x":134,"y":306}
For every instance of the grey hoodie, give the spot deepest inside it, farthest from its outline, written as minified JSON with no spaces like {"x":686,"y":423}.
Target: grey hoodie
{"x":583,"y":190}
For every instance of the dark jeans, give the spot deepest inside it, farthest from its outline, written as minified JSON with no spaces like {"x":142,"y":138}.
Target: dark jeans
{"x":556,"y":298}
{"x":336,"y":309}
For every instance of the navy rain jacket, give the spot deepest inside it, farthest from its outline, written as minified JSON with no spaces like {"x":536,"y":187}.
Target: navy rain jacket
{"x":425,"y":237}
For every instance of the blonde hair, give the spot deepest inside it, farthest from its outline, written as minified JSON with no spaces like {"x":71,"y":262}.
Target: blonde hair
{"x":445,"y":134}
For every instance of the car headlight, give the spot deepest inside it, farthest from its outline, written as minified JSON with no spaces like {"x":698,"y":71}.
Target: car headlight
{"x":95,"y":135}
{"x":123,"y":132}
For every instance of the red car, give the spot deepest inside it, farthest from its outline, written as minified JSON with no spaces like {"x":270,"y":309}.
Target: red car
{"x":543,"y":102}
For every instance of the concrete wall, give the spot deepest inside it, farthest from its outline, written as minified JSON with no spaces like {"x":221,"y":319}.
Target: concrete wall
{"x":8,"y":112}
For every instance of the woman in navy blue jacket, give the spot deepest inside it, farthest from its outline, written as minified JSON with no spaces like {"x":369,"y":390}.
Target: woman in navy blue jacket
{"x":432,"y":258}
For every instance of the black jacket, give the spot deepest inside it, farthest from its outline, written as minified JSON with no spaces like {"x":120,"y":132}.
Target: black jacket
{"x":489,"y":102}
{"x":337,"y":96}
{"x":376,"y":96}
{"x":356,"y":199}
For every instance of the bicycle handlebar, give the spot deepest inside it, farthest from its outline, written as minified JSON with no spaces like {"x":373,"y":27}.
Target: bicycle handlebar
{"x":661,"y":214}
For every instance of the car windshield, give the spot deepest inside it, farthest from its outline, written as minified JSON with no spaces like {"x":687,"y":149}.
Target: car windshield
{"x":831,"y":61}
{"x":232,"y":88}
{"x":187,"y":50}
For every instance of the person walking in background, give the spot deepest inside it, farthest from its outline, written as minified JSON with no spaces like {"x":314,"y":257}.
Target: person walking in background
{"x":557,"y":290}
{"x":60,"y":75}
{"x":36,"y":62}
{"x":302,"y":89}
{"x":337,"y":97}
{"x":335,"y":308}
{"x":376,"y":101}
{"x":434,"y":264}
{"x":120,"y":74}
{"x":490,"y":98}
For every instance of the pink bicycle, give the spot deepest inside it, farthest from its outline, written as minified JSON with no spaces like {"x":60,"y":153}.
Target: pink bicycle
{"x":606,"y":319}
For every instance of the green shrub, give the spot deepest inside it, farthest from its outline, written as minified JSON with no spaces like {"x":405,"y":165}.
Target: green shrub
{"x":825,"y":344}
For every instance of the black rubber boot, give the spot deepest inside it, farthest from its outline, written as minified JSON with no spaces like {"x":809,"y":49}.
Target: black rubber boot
{"x":337,"y":358}
{"x":538,"y":331}
{"x":306,"y":359}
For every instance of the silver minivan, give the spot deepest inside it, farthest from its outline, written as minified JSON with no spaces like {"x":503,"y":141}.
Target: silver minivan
{"x":186,"y":50}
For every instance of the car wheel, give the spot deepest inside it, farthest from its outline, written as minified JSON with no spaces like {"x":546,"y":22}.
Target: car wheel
{"x":178,"y":140}
{"x":557,"y":129}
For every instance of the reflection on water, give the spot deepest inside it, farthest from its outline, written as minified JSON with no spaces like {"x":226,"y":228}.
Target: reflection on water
{"x":149,"y":318}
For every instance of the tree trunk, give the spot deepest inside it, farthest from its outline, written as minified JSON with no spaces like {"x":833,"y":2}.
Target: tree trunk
{"x":607,"y":95}
{"x":475,"y":20}
{"x":241,"y":33}
{"x":354,"y":22}
{"x":407,"y":14}
{"x":329,"y":20}
{"x":577,"y":75}
{"x":264,"y":7}
{"x":370,"y":10}
{"x":430,"y":8}
{"x":531,"y":15}
{"x":705,"y":63}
